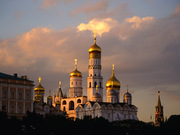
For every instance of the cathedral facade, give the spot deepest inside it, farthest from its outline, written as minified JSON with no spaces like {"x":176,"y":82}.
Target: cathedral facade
{"x":77,"y":105}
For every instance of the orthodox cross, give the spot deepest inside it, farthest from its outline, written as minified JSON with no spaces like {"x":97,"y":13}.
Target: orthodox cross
{"x":75,"y":61}
{"x":39,"y":79}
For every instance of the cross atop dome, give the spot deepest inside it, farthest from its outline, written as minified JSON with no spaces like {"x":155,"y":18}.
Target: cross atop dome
{"x":39,"y":79}
{"x":94,"y":36}
{"x":75,"y":61}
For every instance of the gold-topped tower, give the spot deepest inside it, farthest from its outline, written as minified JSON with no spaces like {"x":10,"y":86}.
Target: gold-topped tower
{"x":39,"y":92}
{"x":95,"y":77}
{"x":75,"y":89}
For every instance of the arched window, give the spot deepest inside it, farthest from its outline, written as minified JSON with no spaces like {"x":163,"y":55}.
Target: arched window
{"x":64,"y":108}
{"x":71,"y":105}
{"x":89,"y":84}
{"x":100,"y":84}
{"x":79,"y":101}
{"x":95,"y":83}
{"x":64,"y":102}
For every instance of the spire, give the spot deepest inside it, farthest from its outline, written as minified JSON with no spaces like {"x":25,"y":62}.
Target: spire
{"x":159,"y":100}
{"x":94,"y":37}
{"x":59,"y":84}
{"x":113,"y":70}
{"x":127,"y":88}
{"x":75,"y":61}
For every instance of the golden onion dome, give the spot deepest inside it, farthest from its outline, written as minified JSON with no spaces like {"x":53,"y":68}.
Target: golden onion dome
{"x":94,"y":47}
{"x":39,"y":88}
{"x":113,"y":82}
{"x":76,"y":73}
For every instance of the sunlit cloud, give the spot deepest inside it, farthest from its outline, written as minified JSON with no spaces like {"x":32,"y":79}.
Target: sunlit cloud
{"x":137,"y":21}
{"x":99,"y":25}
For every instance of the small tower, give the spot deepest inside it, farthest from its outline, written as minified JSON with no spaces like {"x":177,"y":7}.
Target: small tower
{"x":75,"y":89}
{"x":59,"y":93}
{"x":96,"y":97}
{"x":95,"y":77}
{"x":159,"y":117}
{"x":39,"y":92}
{"x":49,"y":99}
{"x":113,"y":88}
{"x":127,"y":97}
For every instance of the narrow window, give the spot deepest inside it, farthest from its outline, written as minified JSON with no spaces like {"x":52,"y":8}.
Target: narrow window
{"x":89,"y":84}
{"x":71,"y":105}
{"x":95,"y":83}
{"x":100,"y":84}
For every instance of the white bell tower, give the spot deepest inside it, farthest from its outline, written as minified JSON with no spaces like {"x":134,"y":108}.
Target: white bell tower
{"x":95,"y":77}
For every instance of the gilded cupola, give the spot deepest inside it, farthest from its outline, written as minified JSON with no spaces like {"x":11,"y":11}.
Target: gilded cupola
{"x":94,"y":47}
{"x":76,"y":73}
{"x":113,"y":82}
{"x":39,"y":88}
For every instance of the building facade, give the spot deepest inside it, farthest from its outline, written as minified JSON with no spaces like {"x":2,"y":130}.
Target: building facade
{"x":16,"y":95}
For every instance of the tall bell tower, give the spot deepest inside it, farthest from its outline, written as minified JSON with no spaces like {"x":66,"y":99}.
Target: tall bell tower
{"x":95,"y":77}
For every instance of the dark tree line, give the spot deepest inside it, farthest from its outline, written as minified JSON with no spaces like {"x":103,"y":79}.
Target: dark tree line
{"x":35,"y":124}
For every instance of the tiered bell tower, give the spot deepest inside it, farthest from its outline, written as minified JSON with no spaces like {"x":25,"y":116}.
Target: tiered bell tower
{"x":75,"y":89}
{"x":95,"y":77}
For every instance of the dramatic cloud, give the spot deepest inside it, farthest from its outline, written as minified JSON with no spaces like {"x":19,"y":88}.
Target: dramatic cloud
{"x":98,"y":25}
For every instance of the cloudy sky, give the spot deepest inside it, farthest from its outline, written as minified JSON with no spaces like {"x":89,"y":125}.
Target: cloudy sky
{"x":141,"y":37}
